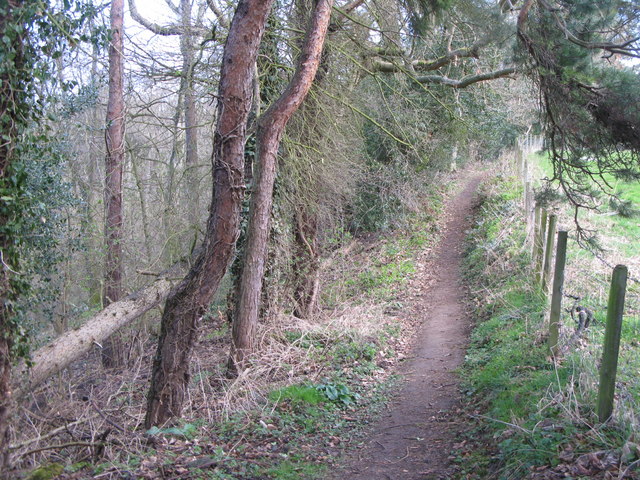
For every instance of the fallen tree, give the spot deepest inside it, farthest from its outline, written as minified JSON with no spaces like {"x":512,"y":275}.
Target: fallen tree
{"x":70,"y":346}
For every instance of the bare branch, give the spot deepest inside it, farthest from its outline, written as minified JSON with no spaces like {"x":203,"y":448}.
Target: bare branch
{"x":350,"y":7}
{"x":473,"y":51}
{"x":345,"y":13}
{"x":465,"y":52}
{"x":468,"y":80}
{"x":174,"y":8}
{"x":222,"y":19}
{"x":154,"y":27}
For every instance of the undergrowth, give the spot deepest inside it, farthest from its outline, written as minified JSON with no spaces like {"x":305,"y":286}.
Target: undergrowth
{"x":378,"y":269}
{"x":309,"y":391}
{"x":533,"y":418}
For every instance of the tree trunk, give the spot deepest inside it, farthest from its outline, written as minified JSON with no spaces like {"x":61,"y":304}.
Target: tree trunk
{"x":114,"y":161}
{"x":190,"y":299}
{"x":70,"y":346}
{"x":94,"y":243}
{"x":190,"y":118}
{"x":307,"y":266}
{"x":170,"y":241}
{"x":140,"y":187}
{"x":189,"y":197}
{"x":270,"y":129}
{"x":266,"y":90}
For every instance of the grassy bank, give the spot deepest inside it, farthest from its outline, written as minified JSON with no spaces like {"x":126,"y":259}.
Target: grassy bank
{"x":531,"y":418}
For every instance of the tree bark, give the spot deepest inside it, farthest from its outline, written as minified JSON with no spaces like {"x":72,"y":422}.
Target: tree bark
{"x":140,"y":187}
{"x":307,"y":266}
{"x":93,"y":266}
{"x":70,"y":346}
{"x":114,"y":162}
{"x":168,"y":195}
{"x":190,"y":116}
{"x":424,"y":65}
{"x":468,"y":80}
{"x":190,"y":299}
{"x":270,"y":129}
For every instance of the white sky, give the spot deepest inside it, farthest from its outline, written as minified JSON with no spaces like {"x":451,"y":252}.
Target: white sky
{"x":155,"y":11}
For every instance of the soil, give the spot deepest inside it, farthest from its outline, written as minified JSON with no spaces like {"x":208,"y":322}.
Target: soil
{"x":416,"y":436}
{"x":413,"y":440}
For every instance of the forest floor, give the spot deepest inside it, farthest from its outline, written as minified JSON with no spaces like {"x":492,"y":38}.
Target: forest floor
{"x":407,"y":315}
{"x":415,"y":437}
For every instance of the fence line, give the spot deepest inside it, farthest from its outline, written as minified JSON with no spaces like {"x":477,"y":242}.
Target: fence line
{"x":541,"y":226}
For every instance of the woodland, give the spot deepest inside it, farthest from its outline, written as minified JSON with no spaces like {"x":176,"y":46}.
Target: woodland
{"x":186,"y":187}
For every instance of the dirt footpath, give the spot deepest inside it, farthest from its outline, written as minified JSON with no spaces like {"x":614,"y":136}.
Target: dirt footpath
{"x":413,"y":440}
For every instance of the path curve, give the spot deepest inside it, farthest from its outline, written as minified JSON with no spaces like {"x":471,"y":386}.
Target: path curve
{"x":413,"y":440}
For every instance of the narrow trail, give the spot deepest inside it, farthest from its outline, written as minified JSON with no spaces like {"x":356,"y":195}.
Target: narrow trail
{"x":413,"y":440}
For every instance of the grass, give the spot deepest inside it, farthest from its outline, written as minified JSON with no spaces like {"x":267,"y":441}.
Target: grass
{"x":324,"y":379}
{"x":294,"y":470}
{"x":588,"y":277}
{"x":297,"y":394}
{"x":311,"y":389}
{"x":506,"y":368}
{"x":622,"y":232}
{"x":298,"y":432}
{"x":537,"y":416}
{"x":312,"y":386}
{"x":381,"y":281}
{"x":378,"y":271}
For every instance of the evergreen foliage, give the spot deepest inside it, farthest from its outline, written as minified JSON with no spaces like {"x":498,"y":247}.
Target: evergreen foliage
{"x":589,"y":95}
{"x":33,"y":34}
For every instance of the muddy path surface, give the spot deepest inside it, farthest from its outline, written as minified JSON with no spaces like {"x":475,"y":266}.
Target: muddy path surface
{"x":414,"y":438}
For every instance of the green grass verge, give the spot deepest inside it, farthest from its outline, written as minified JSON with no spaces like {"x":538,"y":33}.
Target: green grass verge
{"x":528,"y":411}
{"x":619,"y":235}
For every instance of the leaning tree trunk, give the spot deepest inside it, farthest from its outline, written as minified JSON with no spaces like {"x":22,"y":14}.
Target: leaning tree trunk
{"x":306,"y":259}
{"x":73,"y":344}
{"x":270,"y":129}
{"x":114,"y":161}
{"x":190,"y":299}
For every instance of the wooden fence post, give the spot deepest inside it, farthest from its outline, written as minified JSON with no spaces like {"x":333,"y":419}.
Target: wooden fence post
{"x":611,"y":345}
{"x":536,"y":232}
{"x":556,"y":296}
{"x":527,"y":202}
{"x":548,"y":253}
{"x":539,"y":255}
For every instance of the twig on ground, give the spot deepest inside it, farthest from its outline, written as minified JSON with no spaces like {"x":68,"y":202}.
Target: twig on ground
{"x":63,"y":445}
{"x":107,"y":419}
{"x":500,"y":421}
{"x":53,"y":432}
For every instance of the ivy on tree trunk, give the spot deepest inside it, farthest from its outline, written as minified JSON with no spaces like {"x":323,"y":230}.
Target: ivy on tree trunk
{"x":270,"y":129}
{"x":189,"y":300}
